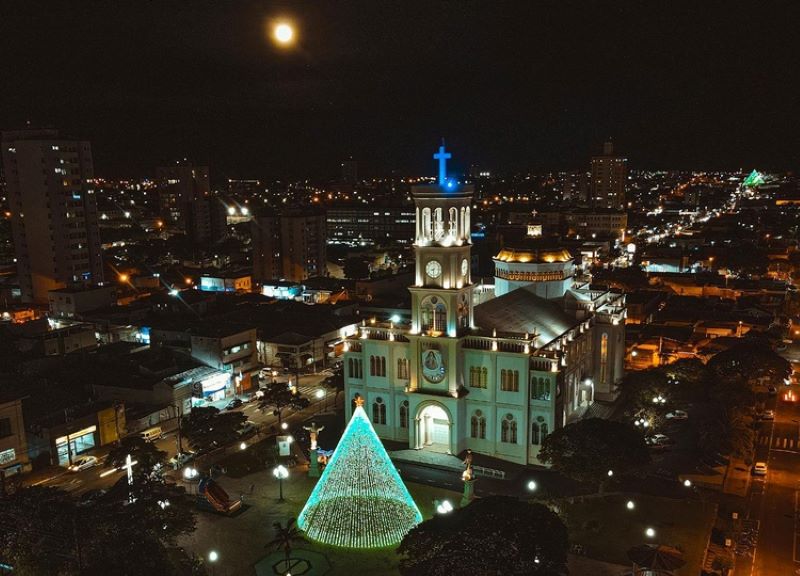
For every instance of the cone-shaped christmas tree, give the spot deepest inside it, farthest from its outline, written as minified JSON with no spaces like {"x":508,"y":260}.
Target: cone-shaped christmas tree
{"x":360,"y":500}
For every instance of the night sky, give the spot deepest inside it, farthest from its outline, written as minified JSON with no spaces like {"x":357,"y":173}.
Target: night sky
{"x":511,"y":85}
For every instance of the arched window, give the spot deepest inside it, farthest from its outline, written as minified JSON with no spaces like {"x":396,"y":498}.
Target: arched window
{"x":402,"y":368}
{"x":453,"y":223}
{"x":540,"y":389}
{"x":475,"y":377}
{"x":404,"y":414}
{"x":508,"y":430}
{"x":603,"y":358}
{"x":350,"y":368}
{"x":372,"y":365}
{"x":509,"y":380}
{"x":484,"y":377}
{"x":378,"y":411}
{"x":433,"y":312}
{"x":382,"y":371}
{"x":438,"y":224}
{"x":544,"y":430}
{"x":478,"y":425}
{"x":427,"y":231}
{"x":535,"y":434}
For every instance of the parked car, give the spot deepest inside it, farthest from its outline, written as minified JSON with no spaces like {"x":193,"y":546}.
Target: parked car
{"x":247,"y":428}
{"x":768,"y":415}
{"x":180,"y":459}
{"x":677,"y":415}
{"x":233,"y":404}
{"x":760,"y":469}
{"x":659,"y":442}
{"x":83,"y":463}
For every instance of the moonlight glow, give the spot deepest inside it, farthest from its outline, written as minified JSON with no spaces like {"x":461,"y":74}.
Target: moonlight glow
{"x":283,"y":33}
{"x":360,"y":500}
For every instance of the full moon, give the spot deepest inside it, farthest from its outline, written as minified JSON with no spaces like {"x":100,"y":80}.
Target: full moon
{"x":284,"y":33}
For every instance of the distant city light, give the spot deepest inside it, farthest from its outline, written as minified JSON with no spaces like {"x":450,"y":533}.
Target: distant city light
{"x":630,"y":505}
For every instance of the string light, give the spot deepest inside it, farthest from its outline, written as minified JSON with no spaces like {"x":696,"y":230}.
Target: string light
{"x":360,"y":500}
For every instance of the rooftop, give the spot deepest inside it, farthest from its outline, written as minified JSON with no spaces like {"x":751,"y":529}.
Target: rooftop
{"x":521,"y":310}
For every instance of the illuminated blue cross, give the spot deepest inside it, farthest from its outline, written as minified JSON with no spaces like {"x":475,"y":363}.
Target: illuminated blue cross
{"x":442,"y":156}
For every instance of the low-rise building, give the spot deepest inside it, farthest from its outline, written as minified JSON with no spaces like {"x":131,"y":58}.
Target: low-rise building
{"x":59,"y":437}
{"x":13,"y":442}
{"x":73,"y":302}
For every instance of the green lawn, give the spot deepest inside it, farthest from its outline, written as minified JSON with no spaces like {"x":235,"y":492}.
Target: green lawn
{"x":607,"y":529}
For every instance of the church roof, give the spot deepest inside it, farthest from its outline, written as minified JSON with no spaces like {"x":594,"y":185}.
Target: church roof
{"x":521,"y":310}
{"x":540,"y":255}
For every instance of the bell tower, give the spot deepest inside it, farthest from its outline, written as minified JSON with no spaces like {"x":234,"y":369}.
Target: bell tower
{"x":441,"y":297}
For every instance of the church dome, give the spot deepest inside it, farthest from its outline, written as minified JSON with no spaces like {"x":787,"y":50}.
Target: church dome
{"x":534,"y":255}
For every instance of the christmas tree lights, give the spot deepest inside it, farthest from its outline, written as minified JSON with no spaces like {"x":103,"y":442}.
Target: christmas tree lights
{"x":360,"y":500}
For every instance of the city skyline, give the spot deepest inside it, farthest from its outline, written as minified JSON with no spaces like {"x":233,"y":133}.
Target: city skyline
{"x":514,"y":88}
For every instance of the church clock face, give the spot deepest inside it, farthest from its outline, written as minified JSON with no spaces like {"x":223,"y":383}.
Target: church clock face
{"x":464,"y":267}
{"x":433,"y":269}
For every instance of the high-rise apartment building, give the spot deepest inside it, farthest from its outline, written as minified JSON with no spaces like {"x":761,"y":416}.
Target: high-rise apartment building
{"x":290,"y":246}
{"x":185,"y":198}
{"x":178,"y":185}
{"x":609,"y":173}
{"x":53,"y":211}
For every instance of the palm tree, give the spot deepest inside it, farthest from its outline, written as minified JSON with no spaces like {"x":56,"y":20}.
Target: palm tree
{"x":284,"y":538}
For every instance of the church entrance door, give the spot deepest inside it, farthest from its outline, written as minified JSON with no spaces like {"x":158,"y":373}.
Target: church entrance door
{"x":433,"y":429}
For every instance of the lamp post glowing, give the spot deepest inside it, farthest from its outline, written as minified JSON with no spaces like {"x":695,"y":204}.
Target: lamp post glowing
{"x":650,"y":533}
{"x":280,"y":472}
{"x":532,"y":485}
{"x":213,"y":556}
{"x":630,"y":505}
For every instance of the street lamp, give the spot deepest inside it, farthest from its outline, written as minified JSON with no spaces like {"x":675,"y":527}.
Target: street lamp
{"x":243,"y":446}
{"x":212,"y":559}
{"x":630,"y":505}
{"x":687,"y":483}
{"x":320,"y":394}
{"x":532,"y":485}
{"x":284,"y":425}
{"x":281,"y":473}
{"x":444,"y":507}
{"x":650,"y":533}
{"x":610,"y":473}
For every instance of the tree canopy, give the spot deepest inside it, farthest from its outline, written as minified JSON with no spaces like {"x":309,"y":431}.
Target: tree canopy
{"x":587,"y":449}
{"x":207,"y":428}
{"x":146,"y":454}
{"x":750,"y":360}
{"x":493,"y":535}
{"x":278,"y":396}
{"x":128,"y":530}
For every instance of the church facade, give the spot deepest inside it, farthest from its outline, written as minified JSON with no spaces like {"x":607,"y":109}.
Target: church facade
{"x":495,"y":377}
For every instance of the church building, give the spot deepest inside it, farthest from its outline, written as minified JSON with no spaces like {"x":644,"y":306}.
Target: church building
{"x":495,"y":376}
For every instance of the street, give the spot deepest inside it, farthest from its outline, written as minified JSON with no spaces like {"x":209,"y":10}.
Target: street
{"x":773,"y":499}
{"x":98,"y":478}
